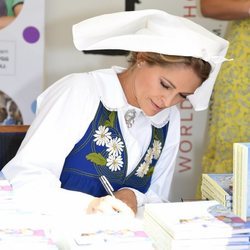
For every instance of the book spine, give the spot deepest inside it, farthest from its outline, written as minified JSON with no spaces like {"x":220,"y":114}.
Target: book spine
{"x":161,"y":239}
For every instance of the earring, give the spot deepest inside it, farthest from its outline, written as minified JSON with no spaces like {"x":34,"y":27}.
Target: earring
{"x":139,"y":64}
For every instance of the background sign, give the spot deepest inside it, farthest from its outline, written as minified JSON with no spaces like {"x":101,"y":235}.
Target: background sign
{"x":21,"y":63}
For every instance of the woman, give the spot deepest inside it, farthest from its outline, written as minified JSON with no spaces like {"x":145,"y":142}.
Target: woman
{"x":120,"y":123}
{"x":231,"y":97}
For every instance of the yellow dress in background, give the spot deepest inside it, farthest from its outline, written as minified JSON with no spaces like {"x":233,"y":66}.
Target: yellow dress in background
{"x":229,"y":117}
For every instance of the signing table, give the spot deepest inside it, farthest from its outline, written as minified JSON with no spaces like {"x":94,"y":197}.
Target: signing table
{"x":30,"y":230}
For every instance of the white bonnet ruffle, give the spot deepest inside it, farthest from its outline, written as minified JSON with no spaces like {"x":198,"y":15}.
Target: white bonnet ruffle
{"x":155,"y":31}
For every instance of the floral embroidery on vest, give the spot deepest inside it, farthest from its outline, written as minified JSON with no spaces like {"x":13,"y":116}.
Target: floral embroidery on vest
{"x":152,"y":153}
{"x":114,"y":148}
{"x":102,"y":151}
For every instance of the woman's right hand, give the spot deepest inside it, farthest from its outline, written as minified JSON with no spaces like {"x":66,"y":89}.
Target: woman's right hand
{"x":109,"y":205}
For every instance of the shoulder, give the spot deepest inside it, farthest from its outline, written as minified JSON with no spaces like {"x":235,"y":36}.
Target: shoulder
{"x":73,"y":82}
{"x":72,"y":89}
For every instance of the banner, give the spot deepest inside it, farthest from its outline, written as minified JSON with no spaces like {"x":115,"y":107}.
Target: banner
{"x":193,"y":124}
{"x":21,"y":60}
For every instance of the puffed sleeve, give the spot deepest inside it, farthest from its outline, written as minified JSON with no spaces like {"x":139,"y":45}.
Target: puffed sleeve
{"x":64,"y":112}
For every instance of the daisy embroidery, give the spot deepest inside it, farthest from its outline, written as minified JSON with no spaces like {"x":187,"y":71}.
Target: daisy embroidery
{"x":149,"y":156}
{"x":115,"y":146}
{"x":156,"y":149}
{"x":114,"y":163}
{"x":102,"y":136}
{"x":142,"y":170}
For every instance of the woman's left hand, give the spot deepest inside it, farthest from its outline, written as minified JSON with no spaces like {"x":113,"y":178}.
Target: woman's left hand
{"x":128,"y":197}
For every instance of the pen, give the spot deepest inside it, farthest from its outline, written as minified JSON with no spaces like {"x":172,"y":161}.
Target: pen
{"x":106,"y":184}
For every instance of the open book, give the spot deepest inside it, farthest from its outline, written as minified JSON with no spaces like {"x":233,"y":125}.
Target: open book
{"x":113,"y":231}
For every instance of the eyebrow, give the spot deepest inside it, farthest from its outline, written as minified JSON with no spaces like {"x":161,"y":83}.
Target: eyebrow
{"x":173,"y":86}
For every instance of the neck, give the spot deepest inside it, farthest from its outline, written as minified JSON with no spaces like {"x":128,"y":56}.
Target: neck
{"x":127,"y":81}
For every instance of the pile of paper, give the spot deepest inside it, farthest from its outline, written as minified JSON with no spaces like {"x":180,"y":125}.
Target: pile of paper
{"x":20,"y":229}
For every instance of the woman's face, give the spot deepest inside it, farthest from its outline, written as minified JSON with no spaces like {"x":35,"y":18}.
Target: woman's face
{"x":156,"y":88}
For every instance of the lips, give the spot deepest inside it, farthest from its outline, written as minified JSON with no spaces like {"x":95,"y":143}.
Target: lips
{"x":155,"y":106}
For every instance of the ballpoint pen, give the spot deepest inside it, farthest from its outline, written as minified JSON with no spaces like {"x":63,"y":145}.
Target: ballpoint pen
{"x":106,"y":184}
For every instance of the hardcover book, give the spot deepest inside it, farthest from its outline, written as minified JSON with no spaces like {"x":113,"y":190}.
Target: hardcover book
{"x":218,"y":187}
{"x":222,"y":183}
{"x":208,"y":193}
{"x":164,"y":241}
{"x":196,"y":220}
{"x":241,"y":181}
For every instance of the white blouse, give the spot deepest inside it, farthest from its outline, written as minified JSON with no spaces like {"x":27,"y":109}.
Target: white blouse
{"x":64,"y":112}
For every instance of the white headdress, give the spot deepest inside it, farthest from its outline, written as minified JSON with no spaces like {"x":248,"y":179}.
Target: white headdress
{"x":155,"y":31}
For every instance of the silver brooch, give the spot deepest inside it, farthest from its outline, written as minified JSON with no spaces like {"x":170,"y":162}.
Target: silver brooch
{"x":130,"y":117}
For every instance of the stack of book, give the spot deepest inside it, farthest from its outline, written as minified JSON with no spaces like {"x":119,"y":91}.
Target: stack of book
{"x":241,"y":182}
{"x":20,"y":229}
{"x":195,"y":225}
{"x":218,"y":187}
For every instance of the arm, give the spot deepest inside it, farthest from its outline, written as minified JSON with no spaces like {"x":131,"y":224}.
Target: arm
{"x":5,"y":21}
{"x":225,"y":9}
{"x":64,"y":113}
{"x":164,"y":169}
{"x":17,"y":9}
{"x":35,"y":171}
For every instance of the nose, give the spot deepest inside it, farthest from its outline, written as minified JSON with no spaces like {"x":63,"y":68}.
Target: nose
{"x":169,"y":99}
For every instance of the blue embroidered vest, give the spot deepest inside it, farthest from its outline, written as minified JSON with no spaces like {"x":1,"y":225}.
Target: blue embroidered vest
{"x":102,"y":151}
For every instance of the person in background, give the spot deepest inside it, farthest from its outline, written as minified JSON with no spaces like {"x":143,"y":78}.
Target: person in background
{"x":10,"y":9}
{"x":3,"y":115}
{"x":229,"y":118}
{"x":121,"y":123}
{"x":3,"y":10}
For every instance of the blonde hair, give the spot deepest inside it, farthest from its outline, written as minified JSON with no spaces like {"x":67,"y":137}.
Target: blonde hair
{"x":200,"y":67}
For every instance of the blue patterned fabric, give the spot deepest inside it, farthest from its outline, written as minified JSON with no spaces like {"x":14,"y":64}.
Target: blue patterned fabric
{"x":92,"y":157}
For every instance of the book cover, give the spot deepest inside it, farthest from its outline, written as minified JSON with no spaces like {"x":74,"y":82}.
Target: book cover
{"x":111,"y":232}
{"x":196,"y":219}
{"x":241,"y":181}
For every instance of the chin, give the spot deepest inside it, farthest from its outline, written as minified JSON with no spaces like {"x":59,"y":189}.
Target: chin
{"x":152,"y":113}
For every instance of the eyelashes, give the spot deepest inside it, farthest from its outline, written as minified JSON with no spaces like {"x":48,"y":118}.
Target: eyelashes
{"x":183,"y":96}
{"x":168,"y":86}
{"x":164,"y":85}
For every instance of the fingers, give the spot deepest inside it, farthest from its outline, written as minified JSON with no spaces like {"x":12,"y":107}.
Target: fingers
{"x":109,"y":205}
